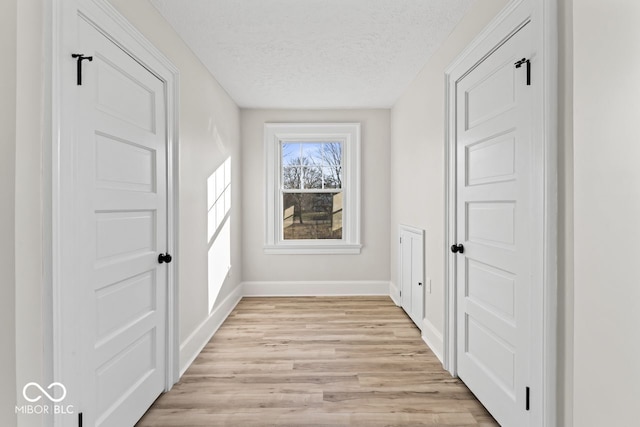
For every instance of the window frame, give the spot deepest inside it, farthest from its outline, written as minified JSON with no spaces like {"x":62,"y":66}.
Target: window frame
{"x":346,"y":133}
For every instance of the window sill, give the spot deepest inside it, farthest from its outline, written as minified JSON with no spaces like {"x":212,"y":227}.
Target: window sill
{"x":304,"y":249}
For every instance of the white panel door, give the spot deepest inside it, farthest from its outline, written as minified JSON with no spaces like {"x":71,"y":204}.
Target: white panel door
{"x":122,"y":218}
{"x":417,"y":279}
{"x":411,"y":274}
{"x":493,"y":155}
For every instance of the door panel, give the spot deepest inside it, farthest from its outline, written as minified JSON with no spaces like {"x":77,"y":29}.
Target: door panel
{"x":490,"y":161}
{"x":491,"y":287}
{"x":491,"y":223}
{"x":134,"y":298}
{"x":492,"y":353}
{"x":122,"y":221}
{"x":417,"y":280}
{"x":133,"y":103}
{"x":491,"y":96}
{"x":405,"y":270}
{"x":123,"y":165}
{"x":124,"y":234}
{"x":493,"y":152}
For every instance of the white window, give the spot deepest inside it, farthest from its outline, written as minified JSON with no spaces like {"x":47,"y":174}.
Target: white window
{"x":312,"y":188}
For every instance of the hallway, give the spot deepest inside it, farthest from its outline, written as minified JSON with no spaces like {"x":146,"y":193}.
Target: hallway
{"x":329,"y":361}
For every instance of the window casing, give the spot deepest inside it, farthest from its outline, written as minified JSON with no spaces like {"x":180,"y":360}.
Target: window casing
{"x":312,"y":188}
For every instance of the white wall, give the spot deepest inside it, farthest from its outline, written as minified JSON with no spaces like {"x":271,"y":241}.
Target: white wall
{"x":373,"y":262}
{"x":21,"y":116}
{"x":30,"y":313}
{"x":209,"y":133}
{"x":565,"y":213}
{"x":606,"y":90}
{"x":8,"y":37}
{"x":417,"y":161}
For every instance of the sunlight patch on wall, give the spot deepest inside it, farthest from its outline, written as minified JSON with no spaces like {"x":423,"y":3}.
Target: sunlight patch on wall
{"x":219,"y":229}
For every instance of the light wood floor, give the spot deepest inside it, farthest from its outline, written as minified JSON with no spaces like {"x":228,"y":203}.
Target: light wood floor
{"x":330,"y":361}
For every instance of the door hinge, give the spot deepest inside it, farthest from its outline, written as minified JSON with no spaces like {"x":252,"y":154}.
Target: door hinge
{"x":527,"y":399}
{"x":401,"y":240}
{"x":528,"y":62}
{"x":80,"y":419}
{"x":79,"y":57}
{"x":400,"y":293}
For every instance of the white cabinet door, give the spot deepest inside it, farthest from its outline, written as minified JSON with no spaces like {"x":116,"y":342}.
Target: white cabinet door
{"x":493,"y":154}
{"x":412,"y":273}
{"x":121,"y":203}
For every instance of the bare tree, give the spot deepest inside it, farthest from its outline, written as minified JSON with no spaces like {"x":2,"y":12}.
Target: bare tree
{"x":333,"y":158}
{"x":297,"y":174}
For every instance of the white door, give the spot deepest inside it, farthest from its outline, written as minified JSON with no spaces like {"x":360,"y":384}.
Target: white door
{"x":411,"y":273}
{"x":493,"y":183}
{"x":122,"y":223}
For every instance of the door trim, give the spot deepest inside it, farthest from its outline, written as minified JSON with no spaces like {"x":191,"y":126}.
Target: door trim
{"x":60,"y":26}
{"x":542,"y":15}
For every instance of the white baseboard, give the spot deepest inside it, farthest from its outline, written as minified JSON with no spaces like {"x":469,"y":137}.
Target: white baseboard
{"x":193,"y":345}
{"x":433,"y":338}
{"x":315,"y":288}
{"x":394,"y":293}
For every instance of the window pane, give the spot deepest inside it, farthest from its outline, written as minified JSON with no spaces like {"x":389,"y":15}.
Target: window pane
{"x":290,"y":154}
{"x":312,"y":153}
{"x":332,"y":177}
{"x":312,"y":178}
{"x":312,"y":216}
{"x":333,"y":153}
{"x":291,"y":177}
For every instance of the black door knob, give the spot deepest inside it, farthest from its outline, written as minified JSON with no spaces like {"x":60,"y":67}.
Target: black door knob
{"x":164,"y":258}
{"x":457,"y":248}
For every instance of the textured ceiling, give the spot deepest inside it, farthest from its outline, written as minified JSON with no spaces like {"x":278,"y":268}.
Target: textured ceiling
{"x":314,"y":53}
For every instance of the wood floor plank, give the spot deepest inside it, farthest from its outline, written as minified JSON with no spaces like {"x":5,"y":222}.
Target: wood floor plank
{"x":317,"y":361}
